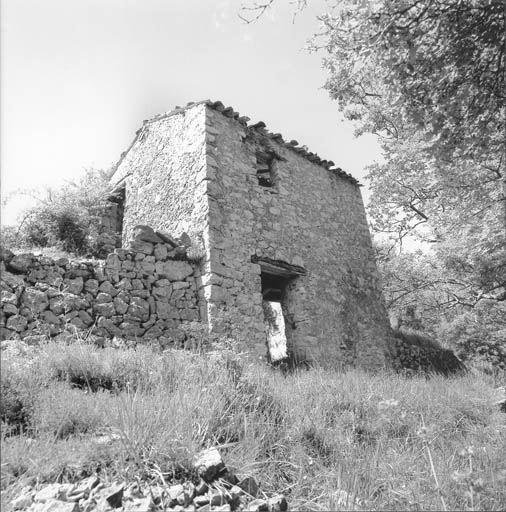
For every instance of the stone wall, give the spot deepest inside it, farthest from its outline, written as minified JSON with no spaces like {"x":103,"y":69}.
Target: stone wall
{"x":148,"y":291}
{"x":164,"y":176}
{"x":195,"y":169}
{"x":310,"y":217}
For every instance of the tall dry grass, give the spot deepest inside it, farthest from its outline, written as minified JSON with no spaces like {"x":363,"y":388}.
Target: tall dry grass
{"x":326,"y":439}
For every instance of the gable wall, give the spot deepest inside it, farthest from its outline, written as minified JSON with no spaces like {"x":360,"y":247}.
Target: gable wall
{"x":165,"y":171}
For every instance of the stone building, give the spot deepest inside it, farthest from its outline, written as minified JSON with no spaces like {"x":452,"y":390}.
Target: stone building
{"x":275,"y":228}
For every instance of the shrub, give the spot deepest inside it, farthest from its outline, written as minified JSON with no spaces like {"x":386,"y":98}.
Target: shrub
{"x":68,"y":218}
{"x":61,"y":411}
{"x":478,"y":335}
{"x":84,"y":366}
{"x":14,"y":411}
{"x":20,"y":382}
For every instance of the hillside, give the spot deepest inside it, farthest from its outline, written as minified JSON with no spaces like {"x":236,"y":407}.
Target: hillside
{"x":382,"y":440}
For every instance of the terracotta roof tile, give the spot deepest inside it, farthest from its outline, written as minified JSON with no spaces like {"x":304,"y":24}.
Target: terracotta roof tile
{"x":260,"y":127}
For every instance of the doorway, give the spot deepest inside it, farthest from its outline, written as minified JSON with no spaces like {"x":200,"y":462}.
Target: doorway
{"x":273,"y":292}
{"x":277,"y":281}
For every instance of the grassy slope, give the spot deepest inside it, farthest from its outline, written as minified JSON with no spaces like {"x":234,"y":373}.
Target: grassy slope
{"x":306,"y":434}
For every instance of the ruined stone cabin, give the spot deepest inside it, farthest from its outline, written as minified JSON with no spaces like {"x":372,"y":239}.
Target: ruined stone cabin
{"x":280,"y":234}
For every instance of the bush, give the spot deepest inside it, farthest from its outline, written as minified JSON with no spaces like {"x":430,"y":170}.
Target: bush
{"x":61,"y":411}
{"x":20,"y":383}
{"x":68,"y":218}
{"x":478,"y":335}
{"x":13,"y":409}
{"x":84,"y":366}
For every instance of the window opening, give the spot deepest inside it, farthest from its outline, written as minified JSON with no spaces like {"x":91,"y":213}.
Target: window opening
{"x":265,"y":174}
{"x":117,"y":199}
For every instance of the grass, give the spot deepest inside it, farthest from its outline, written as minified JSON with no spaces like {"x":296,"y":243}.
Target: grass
{"x":323,"y":438}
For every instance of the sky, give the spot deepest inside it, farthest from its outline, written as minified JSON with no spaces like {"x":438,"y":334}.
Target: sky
{"x":79,"y":77}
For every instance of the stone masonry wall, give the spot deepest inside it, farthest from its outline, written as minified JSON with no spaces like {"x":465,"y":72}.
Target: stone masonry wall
{"x":147,"y":291}
{"x":164,"y":175}
{"x":312,"y":218}
{"x":194,"y":170}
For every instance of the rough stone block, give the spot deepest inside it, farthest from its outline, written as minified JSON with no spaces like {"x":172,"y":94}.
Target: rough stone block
{"x":124,"y":284}
{"x":146,"y":234}
{"x":137,"y":284}
{"x":102,"y":298}
{"x":56,"y":305}
{"x":85,"y":318}
{"x":50,"y":318}
{"x":9,"y":309}
{"x":166,"y":311}
{"x":208,"y":464}
{"x":35,"y":300}
{"x":7,"y":297}
{"x":74,"y":302}
{"x":107,"y":309}
{"x":91,"y":286}
{"x":78,"y":323}
{"x":20,"y":262}
{"x":120,"y":306}
{"x":129,"y":265}
{"x":107,"y":287}
{"x":74,"y":286}
{"x":17,"y":323}
{"x":138,"y":309}
{"x":160,"y":252}
{"x":173,"y":270}
{"x":145,"y":248}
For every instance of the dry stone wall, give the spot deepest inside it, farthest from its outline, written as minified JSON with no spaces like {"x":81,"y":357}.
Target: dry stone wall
{"x":148,"y":291}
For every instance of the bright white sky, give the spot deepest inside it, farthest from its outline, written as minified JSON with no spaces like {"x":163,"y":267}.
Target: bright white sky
{"x":78,"y":77}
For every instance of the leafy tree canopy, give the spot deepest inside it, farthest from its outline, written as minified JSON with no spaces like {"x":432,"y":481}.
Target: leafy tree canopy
{"x":428,"y":78}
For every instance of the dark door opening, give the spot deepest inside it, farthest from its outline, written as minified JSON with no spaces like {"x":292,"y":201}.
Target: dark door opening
{"x":273,"y":292}
{"x":278,"y":287}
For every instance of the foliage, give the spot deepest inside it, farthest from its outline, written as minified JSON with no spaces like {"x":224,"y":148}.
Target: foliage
{"x":437,"y":66}
{"x":448,"y":300}
{"x":68,"y":217}
{"x":478,"y":335}
{"x":306,"y":434}
{"x":428,"y":79}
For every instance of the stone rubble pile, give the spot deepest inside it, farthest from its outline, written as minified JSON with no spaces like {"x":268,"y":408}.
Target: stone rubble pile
{"x":416,"y":358}
{"x":147,"y":290}
{"x":217,"y":490}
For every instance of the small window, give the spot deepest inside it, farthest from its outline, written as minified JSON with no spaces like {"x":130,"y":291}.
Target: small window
{"x":117,"y":198}
{"x":265,"y":174}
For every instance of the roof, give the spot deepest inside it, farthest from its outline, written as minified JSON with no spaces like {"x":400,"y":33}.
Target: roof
{"x":259,"y":127}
